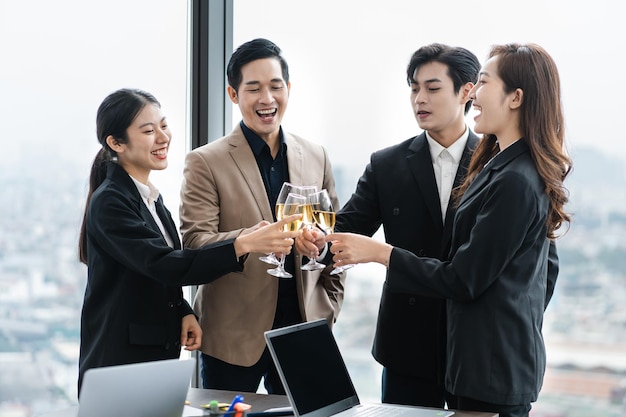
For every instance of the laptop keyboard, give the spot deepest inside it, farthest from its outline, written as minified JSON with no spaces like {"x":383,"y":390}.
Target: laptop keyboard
{"x":375,"y":411}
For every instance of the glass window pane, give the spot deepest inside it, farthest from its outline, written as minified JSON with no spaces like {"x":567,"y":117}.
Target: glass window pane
{"x":59,"y":61}
{"x":347,"y":68}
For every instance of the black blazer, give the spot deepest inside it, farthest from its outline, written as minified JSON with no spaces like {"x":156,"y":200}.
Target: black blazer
{"x":133,"y":304}
{"x":398,"y":190}
{"x":496,"y":282}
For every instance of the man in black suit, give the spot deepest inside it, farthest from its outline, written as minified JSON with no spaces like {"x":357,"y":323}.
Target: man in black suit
{"x":407,"y":188}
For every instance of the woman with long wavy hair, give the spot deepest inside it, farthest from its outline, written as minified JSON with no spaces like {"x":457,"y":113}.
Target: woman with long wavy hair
{"x":502,"y":265}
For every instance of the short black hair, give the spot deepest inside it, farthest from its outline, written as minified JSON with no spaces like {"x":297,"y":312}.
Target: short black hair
{"x":463,"y":65}
{"x":251,"y":51}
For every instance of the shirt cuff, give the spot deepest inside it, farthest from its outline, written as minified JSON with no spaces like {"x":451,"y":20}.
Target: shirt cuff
{"x":323,"y":253}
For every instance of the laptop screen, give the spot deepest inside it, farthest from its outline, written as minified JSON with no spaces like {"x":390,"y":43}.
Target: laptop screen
{"x":312,"y":368}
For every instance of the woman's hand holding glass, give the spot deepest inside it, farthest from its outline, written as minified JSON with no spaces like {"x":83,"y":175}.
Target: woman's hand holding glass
{"x":293,"y":204}
{"x":266,"y":237}
{"x":350,"y":248}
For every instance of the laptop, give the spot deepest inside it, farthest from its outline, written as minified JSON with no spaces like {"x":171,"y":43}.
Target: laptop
{"x":147,"y":389}
{"x":316,"y":379}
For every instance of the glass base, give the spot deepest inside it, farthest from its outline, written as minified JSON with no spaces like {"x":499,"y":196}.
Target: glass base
{"x":270,"y":259}
{"x":340,"y":269}
{"x":279,"y":272}
{"x":313,"y":265}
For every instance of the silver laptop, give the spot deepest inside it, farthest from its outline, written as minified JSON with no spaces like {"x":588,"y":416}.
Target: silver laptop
{"x":148,"y":389}
{"x":316,"y":379}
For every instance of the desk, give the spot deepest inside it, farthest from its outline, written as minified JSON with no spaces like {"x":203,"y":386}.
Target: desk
{"x":259,"y":402}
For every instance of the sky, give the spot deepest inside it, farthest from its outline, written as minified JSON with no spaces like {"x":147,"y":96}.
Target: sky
{"x":347,"y":62}
{"x":355,"y":55}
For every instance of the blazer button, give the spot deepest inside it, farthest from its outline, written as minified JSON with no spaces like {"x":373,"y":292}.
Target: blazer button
{"x":170,"y":304}
{"x":178,"y":303}
{"x":412,"y":301}
{"x":421,"y":252}
{"x":396,"y":211}
{"x":167,"y":346}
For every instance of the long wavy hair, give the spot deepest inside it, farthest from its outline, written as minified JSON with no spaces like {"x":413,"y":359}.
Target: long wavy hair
{"x":530,"y":68}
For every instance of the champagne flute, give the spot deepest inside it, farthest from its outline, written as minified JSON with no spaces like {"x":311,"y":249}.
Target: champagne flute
{"x":320,"y":206}
{"x":294,"y":204}
{"x":325,"y":218}
{"x":286,"y":188}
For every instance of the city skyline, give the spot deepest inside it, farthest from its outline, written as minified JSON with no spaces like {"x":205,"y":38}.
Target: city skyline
{"x":347,"y":63}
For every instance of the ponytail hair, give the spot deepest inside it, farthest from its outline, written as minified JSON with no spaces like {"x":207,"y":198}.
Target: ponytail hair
{"x":116,"y":113}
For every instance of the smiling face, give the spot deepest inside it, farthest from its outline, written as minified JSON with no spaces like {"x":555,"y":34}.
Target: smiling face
{"x":148,"y":141}
{"x":262,"y":97}
{"x":498,"y":113}
{"x":436,"y":105}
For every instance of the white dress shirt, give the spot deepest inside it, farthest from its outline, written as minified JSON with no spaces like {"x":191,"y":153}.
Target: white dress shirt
{"x":149,"y":195}
{"x":445,"y":164}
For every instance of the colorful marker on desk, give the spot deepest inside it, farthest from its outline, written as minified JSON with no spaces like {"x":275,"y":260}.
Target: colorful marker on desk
{"x":237,"y":399}
{"x":240,"y":408}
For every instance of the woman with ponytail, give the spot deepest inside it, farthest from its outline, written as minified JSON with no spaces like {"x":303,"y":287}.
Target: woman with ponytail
{"x":134,"y":310}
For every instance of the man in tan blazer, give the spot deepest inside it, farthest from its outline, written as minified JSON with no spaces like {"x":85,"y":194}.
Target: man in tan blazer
{"x":233,"y":183}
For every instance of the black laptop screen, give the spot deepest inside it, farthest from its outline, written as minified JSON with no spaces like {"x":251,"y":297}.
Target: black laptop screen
{"x":312,"y":365}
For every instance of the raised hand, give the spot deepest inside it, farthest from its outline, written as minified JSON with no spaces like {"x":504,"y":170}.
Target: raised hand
{"x":267,"y":237}
{"x":310,"y":241}
{"x":350,"y":248}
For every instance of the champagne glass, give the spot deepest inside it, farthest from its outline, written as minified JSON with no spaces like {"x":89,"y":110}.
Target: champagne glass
{"x":294,"y":204}
{"x":287,"y":188}
{"x":325,"y":218}
{"x":320,"y":209}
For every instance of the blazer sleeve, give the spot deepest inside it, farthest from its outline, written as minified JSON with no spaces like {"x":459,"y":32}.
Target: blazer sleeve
{"x":485,"y":250}
{"x":120,"y":232}
{"x":185,"y":309}
{"x":200,"y":204}
{"x":553,"y":271}
{"x":361,"y":214}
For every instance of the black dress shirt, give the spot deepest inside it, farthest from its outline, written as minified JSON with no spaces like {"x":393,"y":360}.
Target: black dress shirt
{"x":275,"y":172}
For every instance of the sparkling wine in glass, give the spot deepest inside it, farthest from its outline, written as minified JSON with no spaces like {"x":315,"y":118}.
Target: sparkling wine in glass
{"x":294,"y":204}
{"x":325,"y":217}
{"x":320,"y":205}
{"x":285,"y":190}
{"x":309,"y":219}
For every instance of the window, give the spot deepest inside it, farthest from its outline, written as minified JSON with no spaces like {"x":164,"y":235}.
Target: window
{"x":347,"y":68}
{"x":347,"y":60}
{"x":59,"y":61}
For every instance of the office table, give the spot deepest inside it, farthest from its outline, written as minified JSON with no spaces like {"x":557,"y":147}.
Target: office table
{"x":259,"y":402}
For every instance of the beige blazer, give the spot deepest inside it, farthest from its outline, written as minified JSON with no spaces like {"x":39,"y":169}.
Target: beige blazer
{"x":223,"y":193}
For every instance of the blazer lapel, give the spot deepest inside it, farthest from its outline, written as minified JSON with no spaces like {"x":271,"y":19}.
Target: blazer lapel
{"x":246,"y":163}
{"x":472,"y":142}
{"x":168,"y":223}
{"x":421,"y":165}
{"x":499,"y":161}
{"x":295,"y":162}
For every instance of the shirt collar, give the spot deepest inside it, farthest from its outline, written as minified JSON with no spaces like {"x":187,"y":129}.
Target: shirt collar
{"x":257,"y":144}
{"x":148,"y":192}
{"x":455,"y":150}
